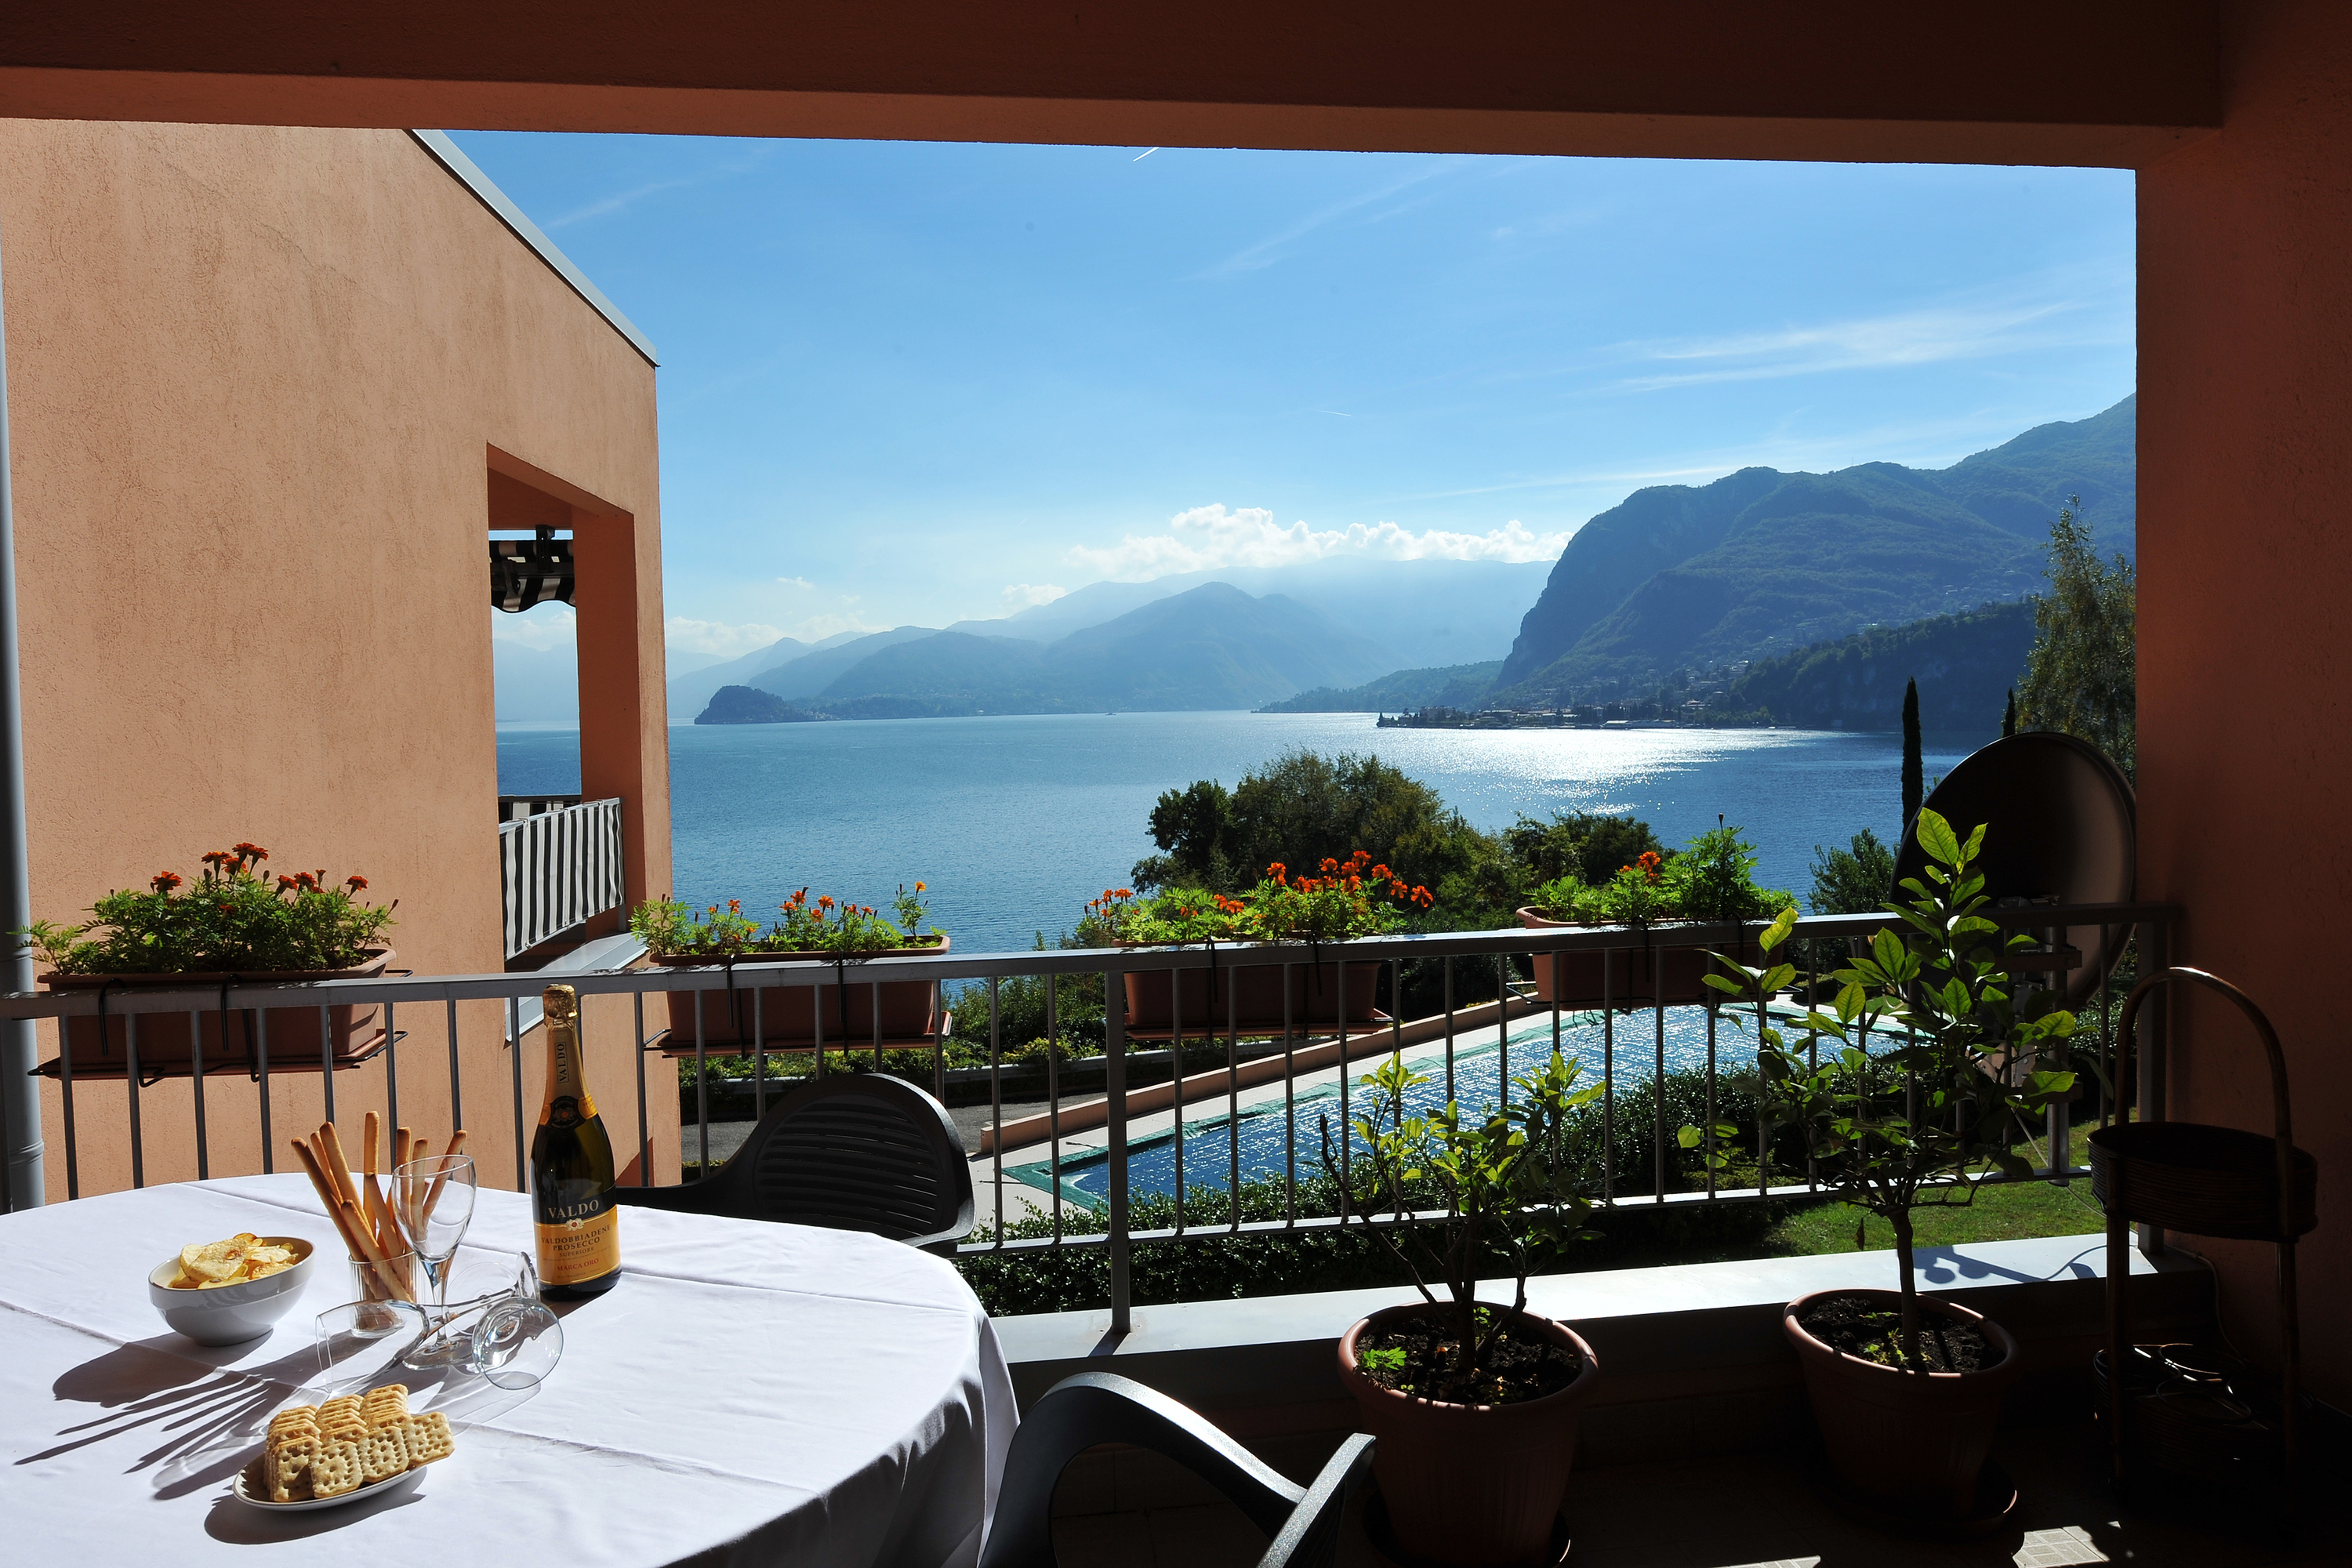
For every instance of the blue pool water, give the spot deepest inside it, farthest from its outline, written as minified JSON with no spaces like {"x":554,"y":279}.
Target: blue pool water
{"x":1632,"y":1041}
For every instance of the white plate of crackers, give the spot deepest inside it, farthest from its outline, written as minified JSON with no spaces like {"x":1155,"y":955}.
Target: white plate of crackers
{"x":359,"y":1446}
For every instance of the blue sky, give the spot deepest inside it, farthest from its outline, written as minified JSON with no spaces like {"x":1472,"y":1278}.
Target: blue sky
{"x":914,"y":382}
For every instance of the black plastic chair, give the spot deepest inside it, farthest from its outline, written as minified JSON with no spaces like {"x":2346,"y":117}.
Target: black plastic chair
{"x":1096,"y":1407}
{"x":851,"y":1152}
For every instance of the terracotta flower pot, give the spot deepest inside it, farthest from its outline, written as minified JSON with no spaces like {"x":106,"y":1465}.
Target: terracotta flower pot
{"x":1635,"y":975}
{"x":1248,"y":997}
{"x":290,"y":1035}
{"x":788,"y":1018}
{"x":1470,"y":1483}
{"x":1909,"y":1443}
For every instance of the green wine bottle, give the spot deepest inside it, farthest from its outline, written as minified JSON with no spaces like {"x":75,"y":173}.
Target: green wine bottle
{"x":571,"y":1169}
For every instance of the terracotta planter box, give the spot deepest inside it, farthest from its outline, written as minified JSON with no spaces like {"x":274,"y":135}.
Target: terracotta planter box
{"x":355,"y":1030}
{"x":1631,"y":976}
{"x":787,"y":1017}
{"x":1249,"y":996}
{"x":1470,"y":1483}
{"x":1908,"y":1444}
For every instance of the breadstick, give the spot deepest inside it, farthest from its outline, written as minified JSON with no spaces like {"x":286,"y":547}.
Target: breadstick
{"x":375,"y":1255}
{"x":328,"y":1196}
{"x":330,"y":1150}
{"x":412,"y":1194}
{"x":400,"y":1141}
{"x":379,"y":1211}
{"x":339,"y":1164}
{"x":327,"y":1166}
{"x":456,"y":1146}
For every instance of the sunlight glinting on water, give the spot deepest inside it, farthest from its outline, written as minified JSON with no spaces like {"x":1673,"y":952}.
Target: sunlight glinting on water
{"x":1015,"y":821}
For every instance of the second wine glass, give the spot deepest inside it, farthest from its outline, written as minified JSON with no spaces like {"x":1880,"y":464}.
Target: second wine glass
{"x":433,"y":1200}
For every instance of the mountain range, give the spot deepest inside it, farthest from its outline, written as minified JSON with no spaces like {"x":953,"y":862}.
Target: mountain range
{"x":1756,"y":565}
{"x":1760,"y":562}
{"x":1336,"y":622}
{"x":1211,"y":647}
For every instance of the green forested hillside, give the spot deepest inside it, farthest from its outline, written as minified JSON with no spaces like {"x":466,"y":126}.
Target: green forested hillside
{"x":1965,"y":665}
{"x":1447,"y":686}
{"x":1760,"y":561}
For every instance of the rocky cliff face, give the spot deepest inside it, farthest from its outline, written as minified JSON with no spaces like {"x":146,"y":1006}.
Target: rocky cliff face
{"x":1760,"y":562}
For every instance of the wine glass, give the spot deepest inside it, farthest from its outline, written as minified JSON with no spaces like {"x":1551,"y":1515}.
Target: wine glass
{"x":519,"y":1339}
{"x":434,"y":1205}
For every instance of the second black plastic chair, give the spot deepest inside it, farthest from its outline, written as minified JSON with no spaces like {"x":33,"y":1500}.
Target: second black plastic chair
{"x":851,"y":1152}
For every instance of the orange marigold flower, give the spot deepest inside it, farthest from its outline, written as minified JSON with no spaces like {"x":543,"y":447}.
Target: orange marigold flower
{"x":355,"y":882}
{"x":918,"y":887}
{"x":164,"y":881}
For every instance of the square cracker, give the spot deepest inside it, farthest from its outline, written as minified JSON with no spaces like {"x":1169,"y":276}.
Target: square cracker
{"x":429,"y":1438}
{"x":383,"y":1452}
{"x":335,"y":1470}
{"x":286,"y":1468}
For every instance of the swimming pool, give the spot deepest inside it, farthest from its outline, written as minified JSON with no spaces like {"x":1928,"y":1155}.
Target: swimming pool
{"x":1265,"y":1135}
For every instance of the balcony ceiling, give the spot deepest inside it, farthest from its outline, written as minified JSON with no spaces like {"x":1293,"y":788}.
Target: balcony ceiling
{"x":2118,"y":82}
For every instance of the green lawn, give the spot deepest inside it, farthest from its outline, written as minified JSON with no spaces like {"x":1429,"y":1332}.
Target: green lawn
{"x":1995,"y":1213}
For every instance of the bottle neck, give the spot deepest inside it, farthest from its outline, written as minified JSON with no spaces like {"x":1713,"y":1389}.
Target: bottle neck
{"x":566,"y":1083}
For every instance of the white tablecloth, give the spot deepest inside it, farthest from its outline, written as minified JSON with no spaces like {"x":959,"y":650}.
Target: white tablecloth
{"x":747,"y":1394}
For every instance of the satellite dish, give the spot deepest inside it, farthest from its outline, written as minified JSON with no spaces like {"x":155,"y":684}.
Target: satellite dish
{"x":2059,"y":823}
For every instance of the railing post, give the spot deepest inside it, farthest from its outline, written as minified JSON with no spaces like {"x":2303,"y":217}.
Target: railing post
{"x":20,"y":1095}
{"x":1115,"y":1108}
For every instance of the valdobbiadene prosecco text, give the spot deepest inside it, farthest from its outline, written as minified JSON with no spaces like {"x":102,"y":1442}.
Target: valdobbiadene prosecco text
{"x":571,"y":1169}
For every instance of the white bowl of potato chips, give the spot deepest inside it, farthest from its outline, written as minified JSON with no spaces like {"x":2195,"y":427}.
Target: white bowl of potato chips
{"x":225,"y":1292}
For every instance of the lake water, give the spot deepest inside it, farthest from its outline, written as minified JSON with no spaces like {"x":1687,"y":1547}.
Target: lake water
{"x":1015,"y":821}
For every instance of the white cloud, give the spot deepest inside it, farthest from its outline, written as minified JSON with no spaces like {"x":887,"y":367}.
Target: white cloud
{"x":2074,"y":308}
{"x":542,"y":627}
{"x":1025,"y":595}
{"x":718,"y":637}
{"x":1208,"y":538}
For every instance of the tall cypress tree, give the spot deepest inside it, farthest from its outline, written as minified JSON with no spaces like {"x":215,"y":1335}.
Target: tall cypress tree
{"x":2008,"y":716}
{"x":1914,"y":775}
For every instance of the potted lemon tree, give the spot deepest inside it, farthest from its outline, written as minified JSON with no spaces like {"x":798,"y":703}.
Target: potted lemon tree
{"x":1903,"y":1104}
{"x":1474,"y":1403}
{"x":235,"y":925}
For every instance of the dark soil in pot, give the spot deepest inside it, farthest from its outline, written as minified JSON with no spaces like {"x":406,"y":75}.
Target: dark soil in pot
{"x":1906,"y":1445}
{"x":1862,"y":1327}
{"x":1471,"y":1485}
{"x":1417,"y":1357}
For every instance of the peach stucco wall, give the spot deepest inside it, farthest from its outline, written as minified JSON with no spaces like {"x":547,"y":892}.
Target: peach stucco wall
{"x":259,"y":382}
{"x":2245,"y":466}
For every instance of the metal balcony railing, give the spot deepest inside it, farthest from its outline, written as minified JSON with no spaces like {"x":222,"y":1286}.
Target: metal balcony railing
{"x":558,"y":865}
{"x":1270,"y":1086}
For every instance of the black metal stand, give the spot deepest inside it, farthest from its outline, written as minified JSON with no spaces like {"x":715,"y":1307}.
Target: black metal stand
{"x":2201,"y":1414}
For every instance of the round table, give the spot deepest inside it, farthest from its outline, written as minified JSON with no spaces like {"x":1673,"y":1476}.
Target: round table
{"x":748,"y":1392}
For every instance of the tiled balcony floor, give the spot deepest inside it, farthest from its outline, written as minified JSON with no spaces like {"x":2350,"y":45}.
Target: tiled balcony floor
{"x":1740,"y":1509}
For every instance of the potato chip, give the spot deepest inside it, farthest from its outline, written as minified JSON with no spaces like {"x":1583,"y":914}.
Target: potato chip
{"x":217,"y":1262}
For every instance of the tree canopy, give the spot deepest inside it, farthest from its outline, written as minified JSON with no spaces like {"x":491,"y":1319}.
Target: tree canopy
{"x":2081,"y":678}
